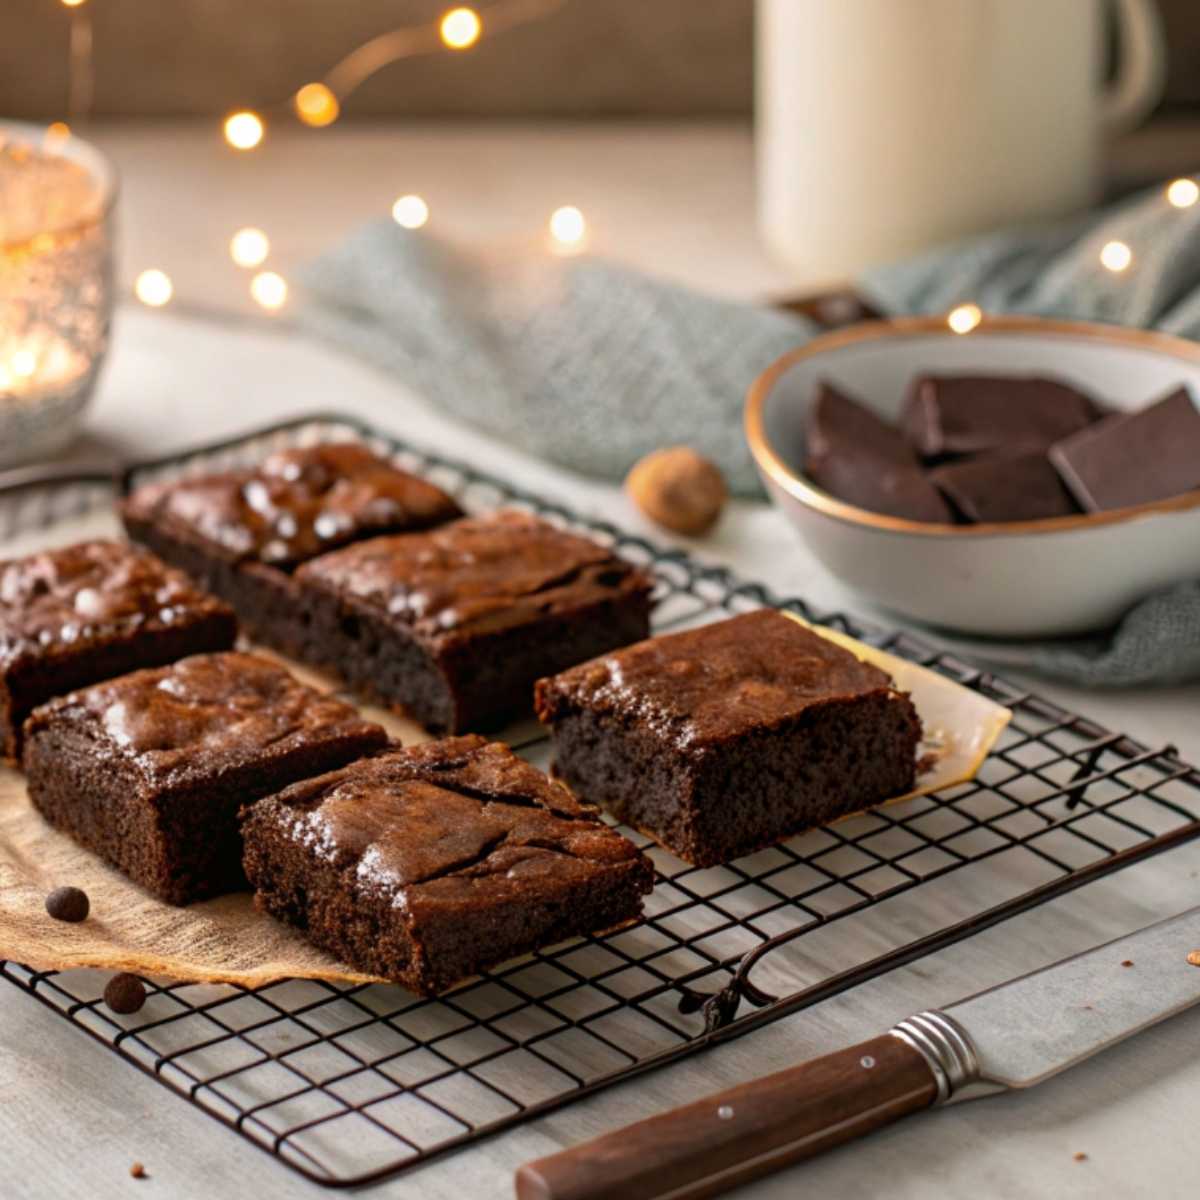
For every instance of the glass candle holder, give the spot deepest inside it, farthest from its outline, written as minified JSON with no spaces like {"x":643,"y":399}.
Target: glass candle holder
{"x":57,"y":196}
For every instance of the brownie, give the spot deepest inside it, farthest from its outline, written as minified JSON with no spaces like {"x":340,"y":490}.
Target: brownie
{"x":723,"y":739}
{"x":429,"y":864}
{"x":456,"y":624}
{"x":972,"y":414}
{"x":863,"y":460}
{"x":76,"y":615}
{"x":1004,"y":487}
{"x":149,"y":770}
{"x":1137,"y":458}
{"x":243,"y":533}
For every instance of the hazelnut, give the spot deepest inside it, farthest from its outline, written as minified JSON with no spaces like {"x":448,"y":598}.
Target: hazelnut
{"x":678,"y":489}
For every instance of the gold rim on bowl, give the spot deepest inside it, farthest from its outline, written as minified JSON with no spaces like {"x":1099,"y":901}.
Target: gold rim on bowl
{"x":813,"y":497}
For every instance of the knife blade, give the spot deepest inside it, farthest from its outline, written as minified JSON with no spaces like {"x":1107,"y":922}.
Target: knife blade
{"x":1014,"y":1035}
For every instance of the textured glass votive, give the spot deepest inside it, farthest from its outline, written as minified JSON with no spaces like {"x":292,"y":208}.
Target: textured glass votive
{"x":56,"y":209}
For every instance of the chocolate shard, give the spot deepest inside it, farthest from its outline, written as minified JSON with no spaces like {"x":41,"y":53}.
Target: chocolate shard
{"x":1004,"y":487}
{"x":1144,"y":456}
{"x":975,"y":414}
{"x":859,"y":458}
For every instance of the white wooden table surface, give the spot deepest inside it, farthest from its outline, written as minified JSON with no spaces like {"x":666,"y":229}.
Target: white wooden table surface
{"x":73,"y":1117}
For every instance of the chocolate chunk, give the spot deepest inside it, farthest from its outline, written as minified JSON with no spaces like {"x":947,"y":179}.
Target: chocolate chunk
{"x":137,"y":1171}
{"x":125,"y":993}
{"x":68,"y":904}
{"x":972,"y":414}
{"x":1004,"y":487}
{"x":1136,"y":458}
{"x":863,"y":460}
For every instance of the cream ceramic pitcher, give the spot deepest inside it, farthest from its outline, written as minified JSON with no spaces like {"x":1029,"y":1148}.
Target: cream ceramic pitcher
{"x":888,"y":126}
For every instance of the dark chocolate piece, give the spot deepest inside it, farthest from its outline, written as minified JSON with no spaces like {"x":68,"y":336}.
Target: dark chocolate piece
{"x":859,"y":458}
{"x":149,"y":770}
{"x":429,"y":864}
{"x":68,"y":904}
{"x":723,"y":739}
{"x":975,"y":414}
{"x":1134,"y":458}
{"x":242,"y":533}
{"x":74,"y":616}
{"x":1004,"y":487}
{"x":125,"y":993}
{"x":456,"y":624}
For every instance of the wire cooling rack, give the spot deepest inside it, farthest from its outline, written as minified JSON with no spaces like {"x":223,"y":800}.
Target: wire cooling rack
{"x":349,"y":1084}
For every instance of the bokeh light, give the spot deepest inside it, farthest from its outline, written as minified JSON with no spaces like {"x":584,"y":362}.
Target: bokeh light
{"x":1183,"y":193}
{"x":1116,"y":256}
{"x":154,"y":287}
{"x":460,"y":28}
{"x":243,"y":130}
{"x":269,"y":290}
{"x":316,"y":105}
{"x":568,"y":227}
{"x":249,"y":247}
{"x":410,"y":211}
{"x":964,"y":318}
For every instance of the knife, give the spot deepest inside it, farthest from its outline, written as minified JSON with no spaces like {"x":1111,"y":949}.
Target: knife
{"x":1011,"y":1036}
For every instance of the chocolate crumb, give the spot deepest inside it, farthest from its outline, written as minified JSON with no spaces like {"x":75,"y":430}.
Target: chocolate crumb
{"x":1080,"y":1156}
{"x":1127,"y":963}
{"x":68,"y":904}
{"x":125,"y":993}
{"x":138,"y":1171}
{"x":1194,"y":958}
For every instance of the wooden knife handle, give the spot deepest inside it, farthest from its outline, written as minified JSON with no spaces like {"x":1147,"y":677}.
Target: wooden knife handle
{"x":707,"y":1147}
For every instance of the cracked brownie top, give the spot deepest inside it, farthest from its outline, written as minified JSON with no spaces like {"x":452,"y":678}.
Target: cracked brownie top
{"x":296,"y":504}
{"x":476,"y":575}
{"x":206,"y":715}
{"x":59,"y":601}
{"x":462,"y":821}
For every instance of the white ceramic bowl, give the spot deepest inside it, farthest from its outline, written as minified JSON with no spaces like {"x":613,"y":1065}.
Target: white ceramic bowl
{"x":1065,"y":575}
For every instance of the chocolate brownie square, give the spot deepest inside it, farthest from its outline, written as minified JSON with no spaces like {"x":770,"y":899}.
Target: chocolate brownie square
{"x":149,"y":770}
{"x":721,"y":740}
{"x":243,"y":533}
{"x":456,"y":624}
{"x":429,"y":864}
{"x":82,"y":613}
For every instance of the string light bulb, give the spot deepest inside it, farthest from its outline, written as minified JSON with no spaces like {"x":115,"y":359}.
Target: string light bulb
{"x":964,"y":318}
{"x":316,"y":105}
{"x":1183,"y":193}
{"x":249,"y":247}
{"x":243,"y":129}
{"x":460,"y":28}
{"x":154,"y":288}
{"x":568,"y":228}
{"x":269,"y":289}
{"x":410,"y":211}
{"x":73,"y":3}
{"x":1115,"y":256}
{"x":23,"y":363}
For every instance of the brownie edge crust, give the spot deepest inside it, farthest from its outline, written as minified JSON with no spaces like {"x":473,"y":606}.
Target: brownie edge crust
{"x":428,"y":864}
{"x":150,"y":770}
{"x":721,"y":740}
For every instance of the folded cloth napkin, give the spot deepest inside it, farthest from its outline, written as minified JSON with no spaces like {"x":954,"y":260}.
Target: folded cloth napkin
{"x":592,"y":365}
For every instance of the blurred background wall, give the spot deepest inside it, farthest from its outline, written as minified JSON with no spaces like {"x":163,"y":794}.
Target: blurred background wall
{"x":665,"y":58}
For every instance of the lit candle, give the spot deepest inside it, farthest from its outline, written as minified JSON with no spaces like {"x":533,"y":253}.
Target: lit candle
{"x":55,"y":298}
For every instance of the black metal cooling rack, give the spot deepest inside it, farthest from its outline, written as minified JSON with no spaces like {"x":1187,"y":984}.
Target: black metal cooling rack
{"x":349,"y":1084}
